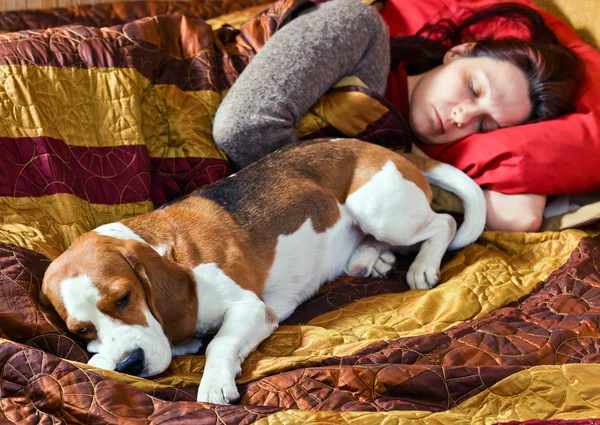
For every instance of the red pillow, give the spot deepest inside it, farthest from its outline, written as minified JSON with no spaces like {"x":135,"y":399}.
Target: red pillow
{"x":554,"y":157}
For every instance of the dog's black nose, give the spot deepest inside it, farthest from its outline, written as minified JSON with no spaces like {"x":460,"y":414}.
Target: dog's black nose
{"x":133,"y":364}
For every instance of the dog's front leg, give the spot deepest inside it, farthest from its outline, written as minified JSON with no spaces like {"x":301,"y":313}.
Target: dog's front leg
{"x":245,"y":325}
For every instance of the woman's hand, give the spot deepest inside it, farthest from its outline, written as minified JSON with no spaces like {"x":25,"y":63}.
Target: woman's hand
{"x":514,"y":213}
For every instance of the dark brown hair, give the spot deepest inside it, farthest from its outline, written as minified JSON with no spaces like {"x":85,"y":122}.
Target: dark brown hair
{"x":553,"y":70}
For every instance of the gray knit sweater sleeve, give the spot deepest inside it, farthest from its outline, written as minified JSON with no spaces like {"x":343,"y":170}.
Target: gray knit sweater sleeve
{"x":293,"y":70}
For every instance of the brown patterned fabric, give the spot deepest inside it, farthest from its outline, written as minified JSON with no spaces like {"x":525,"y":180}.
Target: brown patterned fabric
{"x":166,"y":49}
{"x":511,"y":334}
{"x":558,"y":323}
{"x":117,"y":13}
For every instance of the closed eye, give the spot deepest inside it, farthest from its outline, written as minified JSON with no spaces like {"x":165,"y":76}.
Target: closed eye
{"x":472,"y":89}
{"x":81,"y":331}
{"x":122,"y":303}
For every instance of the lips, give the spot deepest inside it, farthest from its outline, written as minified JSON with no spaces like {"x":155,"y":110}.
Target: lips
{"x":439,"y":122}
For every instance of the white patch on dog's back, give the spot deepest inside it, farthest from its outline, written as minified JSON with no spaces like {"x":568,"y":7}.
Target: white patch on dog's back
{"x":118,"y":230}
{"x":389,"y":207}
{"x":305,"y":260}
{"x":162,"y":249}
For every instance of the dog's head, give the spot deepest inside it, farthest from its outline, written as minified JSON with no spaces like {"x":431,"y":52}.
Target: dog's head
{"x":126,"y":301}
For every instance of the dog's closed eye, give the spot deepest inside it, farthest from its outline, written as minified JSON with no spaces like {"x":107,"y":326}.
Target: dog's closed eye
{"x":123,"y":301}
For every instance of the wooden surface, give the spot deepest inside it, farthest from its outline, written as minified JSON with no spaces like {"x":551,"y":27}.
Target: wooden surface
{"x":44,"y":4}
{"x":583,"y":15}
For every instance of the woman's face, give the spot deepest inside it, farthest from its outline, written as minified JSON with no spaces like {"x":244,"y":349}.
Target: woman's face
{"x":466,"y":96}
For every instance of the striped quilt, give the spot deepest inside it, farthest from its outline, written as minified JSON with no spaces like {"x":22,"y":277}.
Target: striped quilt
{"x":106,"y":112}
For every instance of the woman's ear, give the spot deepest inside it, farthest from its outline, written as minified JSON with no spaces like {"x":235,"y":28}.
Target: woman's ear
{"x":458,"y":51}
{"x":170,"y":290}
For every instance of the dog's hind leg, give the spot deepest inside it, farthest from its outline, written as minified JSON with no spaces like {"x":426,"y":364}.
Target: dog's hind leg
{"x":424,"y":272}
{"x":395,"y":210}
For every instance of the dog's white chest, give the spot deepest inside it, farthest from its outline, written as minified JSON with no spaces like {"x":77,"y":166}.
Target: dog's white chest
{"x":305,"y":260}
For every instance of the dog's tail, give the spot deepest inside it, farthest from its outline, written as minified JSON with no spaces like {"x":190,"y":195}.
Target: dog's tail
{"x":453,"y":180}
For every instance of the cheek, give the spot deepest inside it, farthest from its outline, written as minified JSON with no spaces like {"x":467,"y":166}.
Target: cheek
{"x":449,"y":87}
{"x":418,"y":103}
{"x":523,"y":109}
{"x":430,"y":91}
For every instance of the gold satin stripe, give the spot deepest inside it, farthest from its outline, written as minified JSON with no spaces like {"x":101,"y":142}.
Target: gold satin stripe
{"x":178,"y":123}
{"x":141,"y":384}
{"x":236,"y":19}
{"x":348,"y":112}
{"x":350,"y":81}
{"x":340,"y":110}
{"x":309,"y":123}
{"x":107,"y":107}
{"x":49,"y":224}
{"x":542,"y":392}
{"x":499,"y":269}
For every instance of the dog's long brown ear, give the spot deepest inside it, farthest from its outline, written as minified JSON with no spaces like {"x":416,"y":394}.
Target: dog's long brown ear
{"x":42,"y":298}
{"x":170,"y":290}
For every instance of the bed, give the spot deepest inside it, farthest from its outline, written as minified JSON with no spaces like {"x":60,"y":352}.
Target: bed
{"x":110,"y":117}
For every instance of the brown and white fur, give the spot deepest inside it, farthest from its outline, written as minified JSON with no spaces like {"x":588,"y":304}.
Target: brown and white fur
{"x":238,"y":256}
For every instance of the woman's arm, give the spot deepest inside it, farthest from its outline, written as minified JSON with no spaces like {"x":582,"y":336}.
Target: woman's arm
{"x":514,"y":213}
{"x":302,"y":60}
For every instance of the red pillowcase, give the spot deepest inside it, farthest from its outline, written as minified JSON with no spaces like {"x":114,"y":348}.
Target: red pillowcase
{"x":554,"y":157}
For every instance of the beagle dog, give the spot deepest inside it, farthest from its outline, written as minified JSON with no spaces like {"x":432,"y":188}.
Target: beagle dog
{"x":238,"y":256}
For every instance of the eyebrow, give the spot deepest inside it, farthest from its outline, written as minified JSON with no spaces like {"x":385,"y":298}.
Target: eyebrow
{"x":488,"y":85}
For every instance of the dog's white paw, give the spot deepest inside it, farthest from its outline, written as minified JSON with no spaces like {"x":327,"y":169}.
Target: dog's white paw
{"x":218,"y":386}
{"x":422,"y":275}
{"x":384,"y":264}
{"x":189,"y":346}
{"x":368,"y":261}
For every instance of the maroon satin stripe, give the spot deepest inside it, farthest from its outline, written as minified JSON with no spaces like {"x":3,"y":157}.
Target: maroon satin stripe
{"x":175,"y":177}
{"x":41,"y":166}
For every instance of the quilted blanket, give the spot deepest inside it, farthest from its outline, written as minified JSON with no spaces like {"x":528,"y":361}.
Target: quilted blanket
{"x":104,"y":119}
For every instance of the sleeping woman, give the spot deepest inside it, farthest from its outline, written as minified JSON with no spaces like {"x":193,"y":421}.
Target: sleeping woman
{"x":446,"y":89}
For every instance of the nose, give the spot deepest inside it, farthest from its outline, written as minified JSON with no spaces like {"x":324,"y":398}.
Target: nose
{"x":463,"y":114}
{"x":133,"y":363}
